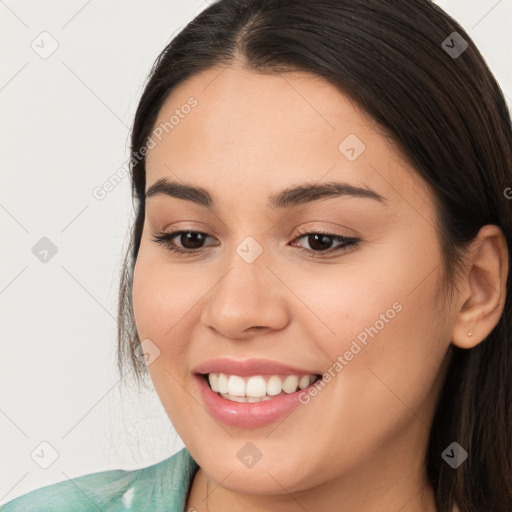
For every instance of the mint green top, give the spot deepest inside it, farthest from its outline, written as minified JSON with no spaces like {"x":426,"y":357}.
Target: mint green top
{"x":162,"y":487}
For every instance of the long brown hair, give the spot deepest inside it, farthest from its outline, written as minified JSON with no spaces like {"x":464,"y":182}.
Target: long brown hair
{"x":446,"y":113}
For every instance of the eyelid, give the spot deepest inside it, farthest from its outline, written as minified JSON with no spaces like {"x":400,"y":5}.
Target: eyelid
{"x":309,"y":230}
{"x":327,"y":228}
{"x":348,"y":243}
{"x":299,"y":232}
{"x":186,"y":226}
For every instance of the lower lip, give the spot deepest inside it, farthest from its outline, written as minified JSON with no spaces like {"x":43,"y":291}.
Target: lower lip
{"x":247,"y":414}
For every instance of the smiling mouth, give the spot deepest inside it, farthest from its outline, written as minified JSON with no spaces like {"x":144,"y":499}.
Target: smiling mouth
{"x":257,"y":388}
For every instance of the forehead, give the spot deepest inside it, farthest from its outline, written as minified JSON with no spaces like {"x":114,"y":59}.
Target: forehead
{"x":262,"y":131}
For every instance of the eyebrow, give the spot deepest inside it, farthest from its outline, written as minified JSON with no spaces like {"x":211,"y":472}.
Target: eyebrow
{"x":285,"y":199}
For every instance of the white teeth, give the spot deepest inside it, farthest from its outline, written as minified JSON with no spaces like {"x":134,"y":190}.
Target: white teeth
{"x":245,"y":398}
{"x":257,"y":387}
{"x":290,"y":383}
{"x":235,"y":398}
{"x":236,"y":386}
{"x":304,"y":382}
{"x":213,"y":378}
{"x":274,"y":386}
{"x":222,"y":382}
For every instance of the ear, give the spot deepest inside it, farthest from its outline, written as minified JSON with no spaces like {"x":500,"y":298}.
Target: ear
{"x":484,"y":288}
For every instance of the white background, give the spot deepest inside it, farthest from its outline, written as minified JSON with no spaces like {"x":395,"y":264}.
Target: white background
{"x":65,"y":130}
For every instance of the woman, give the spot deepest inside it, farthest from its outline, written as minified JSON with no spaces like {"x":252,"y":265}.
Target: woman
{"x":317,"y":282}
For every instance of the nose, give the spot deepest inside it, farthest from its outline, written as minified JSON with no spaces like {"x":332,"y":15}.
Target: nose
{"x":247,"y":301}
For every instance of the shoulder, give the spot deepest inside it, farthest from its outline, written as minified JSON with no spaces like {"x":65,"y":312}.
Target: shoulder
{"x":165,"y":483}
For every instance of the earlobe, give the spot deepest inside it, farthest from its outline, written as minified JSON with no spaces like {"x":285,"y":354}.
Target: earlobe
{"x":486,"y":277}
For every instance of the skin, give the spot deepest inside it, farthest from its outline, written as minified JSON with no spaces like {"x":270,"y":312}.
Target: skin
{"x":360,"y":443}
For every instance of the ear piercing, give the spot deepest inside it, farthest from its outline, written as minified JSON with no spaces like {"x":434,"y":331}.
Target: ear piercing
{"x":470,"y":333}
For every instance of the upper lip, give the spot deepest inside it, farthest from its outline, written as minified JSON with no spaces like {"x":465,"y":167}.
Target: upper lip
{"x":248,"y":367}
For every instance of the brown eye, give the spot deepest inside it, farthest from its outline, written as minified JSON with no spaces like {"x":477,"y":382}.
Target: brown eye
{"x":191,"y":241}
{"x":321,"y":243}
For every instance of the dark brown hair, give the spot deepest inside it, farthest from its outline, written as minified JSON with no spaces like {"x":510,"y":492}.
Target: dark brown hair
{"x":446,"y":114}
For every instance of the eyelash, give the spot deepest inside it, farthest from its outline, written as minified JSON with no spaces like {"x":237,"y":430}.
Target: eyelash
{"x":349,"y":243}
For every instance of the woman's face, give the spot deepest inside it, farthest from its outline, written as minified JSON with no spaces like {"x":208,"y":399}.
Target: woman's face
{"x":258,"y":286}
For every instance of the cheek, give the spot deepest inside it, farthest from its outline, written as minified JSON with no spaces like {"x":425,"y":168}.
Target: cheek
{"x":383,"y":318}
{"x":341,"y":302}
{"x":163,"y":296}
{"x":407,"y":353}
{"x":163,"y":309}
